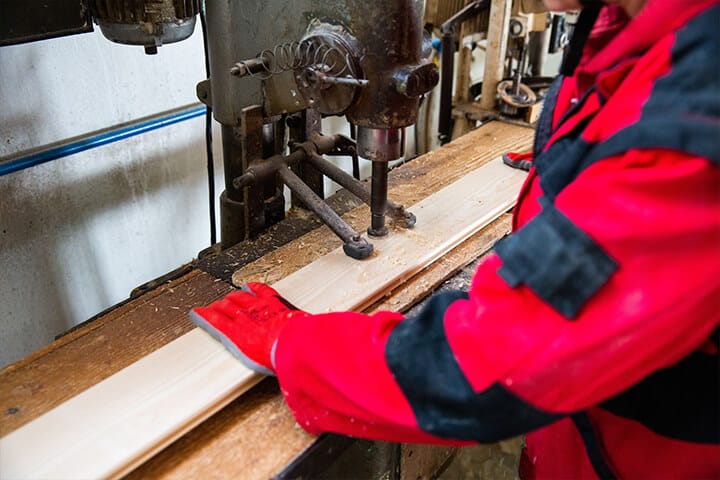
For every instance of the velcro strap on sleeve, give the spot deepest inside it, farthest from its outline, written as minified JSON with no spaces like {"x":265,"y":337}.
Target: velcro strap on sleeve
{"x":555,"y":259}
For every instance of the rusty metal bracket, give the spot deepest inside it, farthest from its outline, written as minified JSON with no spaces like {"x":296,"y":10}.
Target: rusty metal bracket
{"x":354,"y":245}
{"x":311,"y":152}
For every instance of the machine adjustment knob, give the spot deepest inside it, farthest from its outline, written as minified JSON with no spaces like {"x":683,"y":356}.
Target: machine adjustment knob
{"x":416,"y":80}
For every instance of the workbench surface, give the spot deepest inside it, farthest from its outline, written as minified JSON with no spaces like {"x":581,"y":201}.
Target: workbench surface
{"x":255,"y":436}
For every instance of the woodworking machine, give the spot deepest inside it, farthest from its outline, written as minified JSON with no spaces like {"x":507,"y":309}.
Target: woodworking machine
{"x":275,"y":68}
{"x":364,"y":60}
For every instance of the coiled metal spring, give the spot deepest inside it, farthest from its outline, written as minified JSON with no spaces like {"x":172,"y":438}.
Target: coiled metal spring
{"x":294,"y":56}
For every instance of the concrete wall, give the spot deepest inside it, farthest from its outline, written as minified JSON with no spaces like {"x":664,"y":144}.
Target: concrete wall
{"x":77,"y":234}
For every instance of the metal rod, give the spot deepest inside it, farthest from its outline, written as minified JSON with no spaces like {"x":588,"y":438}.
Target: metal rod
{"x":447,"y":62}
{"x":353,"y":82}
{"x":378,"y":200}
{"x":248,"y":67}
{"x":358,"y":188}
{"x":339,"y":175}
{"x":259,"y":171}
{"x":517,"y":79}
{"x":317,"y":205}
{"x":98,"y":138}
{"x":355,"y":159}
{"x":208,"y":135}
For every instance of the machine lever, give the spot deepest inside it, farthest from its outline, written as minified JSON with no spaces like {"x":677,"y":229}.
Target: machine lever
{"x":314,"y":78}
{"x":355,"y":245}
{"x":261,"y":170}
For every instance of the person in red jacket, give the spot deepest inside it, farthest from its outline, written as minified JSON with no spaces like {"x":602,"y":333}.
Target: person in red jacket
{"x":593,"y":328}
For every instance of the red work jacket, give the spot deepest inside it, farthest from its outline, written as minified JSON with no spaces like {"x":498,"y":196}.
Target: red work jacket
{"x":593,"y":327}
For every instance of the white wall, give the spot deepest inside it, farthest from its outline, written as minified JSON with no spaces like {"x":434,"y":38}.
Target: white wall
{"x":77,"y":234}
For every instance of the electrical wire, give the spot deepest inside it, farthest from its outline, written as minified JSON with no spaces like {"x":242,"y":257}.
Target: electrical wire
{"x":208,"y":136}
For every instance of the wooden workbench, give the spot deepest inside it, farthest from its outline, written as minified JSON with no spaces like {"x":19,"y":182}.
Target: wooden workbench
{"x":255,"y":436}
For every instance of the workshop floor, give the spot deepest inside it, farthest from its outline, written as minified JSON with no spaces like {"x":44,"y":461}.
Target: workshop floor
{"x":497,"y":461}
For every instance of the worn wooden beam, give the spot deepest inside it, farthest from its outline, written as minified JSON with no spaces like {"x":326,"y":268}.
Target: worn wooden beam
{"x":497,"y":38}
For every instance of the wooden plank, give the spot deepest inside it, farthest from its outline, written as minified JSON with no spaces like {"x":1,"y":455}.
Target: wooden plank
{"x":103,"y":347}
{"x":420,"y":286}
{"x":495,"y":52}
{"x":115,"y":425}
{"x":256,"y":435}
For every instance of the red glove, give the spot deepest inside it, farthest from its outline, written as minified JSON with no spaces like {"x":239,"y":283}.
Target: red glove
{"x":522,"y":161}
{"x":248,"y":322}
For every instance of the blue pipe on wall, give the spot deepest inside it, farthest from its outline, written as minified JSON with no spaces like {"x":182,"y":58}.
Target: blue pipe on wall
{"x":100,"y":138}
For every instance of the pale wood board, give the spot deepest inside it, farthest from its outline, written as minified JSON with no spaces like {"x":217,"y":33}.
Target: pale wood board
{"x":420,"y":286}
{"x":255,"y":436}
{"x":115,"y":425}
{"x":101,"y":348}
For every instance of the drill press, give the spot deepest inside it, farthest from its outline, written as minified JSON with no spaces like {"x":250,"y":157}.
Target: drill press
{"x":276,"y":67}
{"x":286,"y":63}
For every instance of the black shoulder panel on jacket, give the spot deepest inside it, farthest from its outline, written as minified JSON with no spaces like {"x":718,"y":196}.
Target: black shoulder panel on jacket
{"x":543,"y":129}
{"x":444,"y":403}
{"x":683,"y":110}
{"x":556,"y":260}
{"x":680,"y":402}
{"x":561,"y":163}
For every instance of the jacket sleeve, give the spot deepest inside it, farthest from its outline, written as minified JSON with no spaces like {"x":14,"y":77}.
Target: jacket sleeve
{"x":616,"y":279}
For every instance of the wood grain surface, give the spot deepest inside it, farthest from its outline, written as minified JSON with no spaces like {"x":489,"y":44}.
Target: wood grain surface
{"x":84,"y":357}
